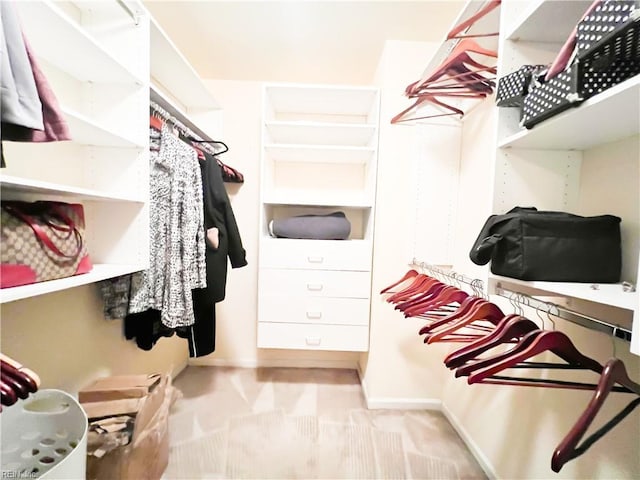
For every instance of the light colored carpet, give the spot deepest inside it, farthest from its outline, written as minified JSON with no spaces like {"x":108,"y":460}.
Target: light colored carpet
{"x":280,"y":423}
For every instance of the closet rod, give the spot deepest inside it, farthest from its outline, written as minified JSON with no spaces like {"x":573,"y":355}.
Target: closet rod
{"x":474,"y":282}
{"x":177,"y":115}
{"x":131,"y":13}
{"x":564,"y":313}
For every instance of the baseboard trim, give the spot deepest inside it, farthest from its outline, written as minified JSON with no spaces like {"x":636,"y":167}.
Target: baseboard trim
{"x":394,"y":403}
{"x":473,"y":447}
{"x":273,"y":362}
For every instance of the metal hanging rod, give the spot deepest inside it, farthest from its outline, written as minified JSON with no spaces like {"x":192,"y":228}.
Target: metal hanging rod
{"x":185,"y":130}
{"x":133,"y":14}
{"x":476,"y":283}
{"x":565,"y":313}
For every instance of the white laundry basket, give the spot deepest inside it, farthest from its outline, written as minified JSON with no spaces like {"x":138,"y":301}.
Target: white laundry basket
{"x":44,"y":436}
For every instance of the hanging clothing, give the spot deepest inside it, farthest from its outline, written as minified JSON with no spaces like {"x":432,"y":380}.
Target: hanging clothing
{"x":55,"y":128}
{"x":29,"y":110}
{"x":220,"y":220}
{"x":219,"y":214}
{"x":177,"y":260}
{"x":19,"y":101}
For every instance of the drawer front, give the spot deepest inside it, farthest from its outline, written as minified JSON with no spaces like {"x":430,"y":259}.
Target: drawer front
{"x":316,"y":254}
{"x":313,"y":337}
{"x":315,"y":283}
{"x":319,"y":310}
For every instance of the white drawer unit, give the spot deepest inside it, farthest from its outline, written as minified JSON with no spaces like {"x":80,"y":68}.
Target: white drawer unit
{"x":313,"y":336}
{"x":319,"y":156}
{"x":315,"y":283}
{"x":330,"y":311}
{"x":353,"y":255}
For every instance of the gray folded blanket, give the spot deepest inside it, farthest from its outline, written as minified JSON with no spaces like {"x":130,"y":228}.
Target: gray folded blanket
{"x":333,"y":226}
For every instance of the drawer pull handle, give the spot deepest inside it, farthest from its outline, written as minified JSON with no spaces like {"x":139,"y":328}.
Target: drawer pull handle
{"x":314,"y":315}
{"x":315,"y":259}
{"x":313,"y":341}
{"x":314,"y":287}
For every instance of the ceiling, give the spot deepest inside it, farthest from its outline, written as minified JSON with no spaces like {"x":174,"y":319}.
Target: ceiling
{"x":297,"y":41}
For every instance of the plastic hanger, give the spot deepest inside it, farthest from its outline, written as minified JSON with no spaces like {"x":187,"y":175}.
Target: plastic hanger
{"x":210,"y":142}
{"x":613,"y":372}
{"x":456,"y":32}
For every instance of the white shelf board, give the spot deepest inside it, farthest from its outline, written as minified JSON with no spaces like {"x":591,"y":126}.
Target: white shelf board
{"x":319,"y":198}
{"x":320,"y":133}
{"x":62,"y":43}
{"x":26,"y":185}
{"x":319,"y":153}
{"x":327,"y":100}
{"x":609,"y":116}
{"x":99,"y":272}
{"x":165,"y":102}
{"x":174,"y":72}
{"x":606,"y":294}
{"x":269,"y":239}
{"x":548,"y":21}
{"x":85,"y":131}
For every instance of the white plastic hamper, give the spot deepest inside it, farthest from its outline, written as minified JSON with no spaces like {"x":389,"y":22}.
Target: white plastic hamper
{"x":44,"y":436}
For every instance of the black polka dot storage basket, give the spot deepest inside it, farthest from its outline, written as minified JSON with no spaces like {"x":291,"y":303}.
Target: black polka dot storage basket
{"x":608,"y":53}
{"x":512,"y":88}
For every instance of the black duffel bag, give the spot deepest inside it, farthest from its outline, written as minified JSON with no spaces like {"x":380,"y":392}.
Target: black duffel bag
{"x":528,"y":244}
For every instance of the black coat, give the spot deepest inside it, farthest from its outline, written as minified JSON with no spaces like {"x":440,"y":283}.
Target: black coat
{"x":218,"y":213}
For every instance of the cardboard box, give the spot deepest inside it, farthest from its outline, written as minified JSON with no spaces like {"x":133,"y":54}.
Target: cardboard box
{"x":147,"y":455}
{"x":119,"y":387}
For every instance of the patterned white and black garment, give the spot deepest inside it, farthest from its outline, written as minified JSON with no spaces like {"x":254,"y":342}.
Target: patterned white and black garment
{"x":177,"y":245}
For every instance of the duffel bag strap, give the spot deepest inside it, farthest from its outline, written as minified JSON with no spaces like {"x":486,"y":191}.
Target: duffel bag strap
{"x":484,"y":245}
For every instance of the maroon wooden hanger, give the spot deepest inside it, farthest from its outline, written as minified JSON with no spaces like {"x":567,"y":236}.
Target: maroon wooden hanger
{"x":481,"y":311}
{"x":445,"y":297}
{"x":614,"y":372}
{"x":422,"y":100}
{"x":465,"y":306}
{"x":410,"y":274}
{"x":510,"y":327}
{"x":548,"y":340}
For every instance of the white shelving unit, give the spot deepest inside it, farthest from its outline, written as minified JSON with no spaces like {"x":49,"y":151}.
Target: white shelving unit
{"x":98,"y":273}
{"x":179,"y":90}
{"x":171,"y":71}
{"x":45,"y":21}
{"x":576,"y":161}
{"x":319,"y":155}
{"x":103,"y":93}
{"x":566,"y":131}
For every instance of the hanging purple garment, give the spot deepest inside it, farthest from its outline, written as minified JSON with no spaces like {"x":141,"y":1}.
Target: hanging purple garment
{"x":55,"y":126}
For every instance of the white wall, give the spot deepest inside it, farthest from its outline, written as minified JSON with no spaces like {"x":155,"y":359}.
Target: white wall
{"x":399,"y":367}
{"x":237,"y":315}
{"x":64,"y":338}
